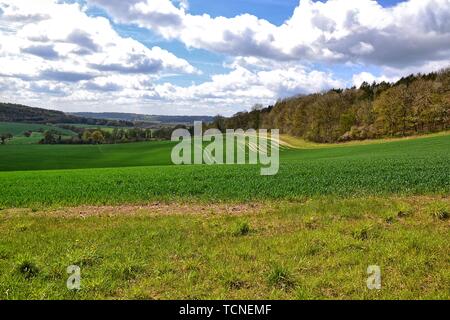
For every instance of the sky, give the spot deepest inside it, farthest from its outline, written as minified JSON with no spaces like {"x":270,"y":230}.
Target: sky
{"x":205,"y":57}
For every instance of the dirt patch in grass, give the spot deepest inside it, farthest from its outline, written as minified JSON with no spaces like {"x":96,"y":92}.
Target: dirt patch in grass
{"x":406,"y":207}
{"x":152,"y":209}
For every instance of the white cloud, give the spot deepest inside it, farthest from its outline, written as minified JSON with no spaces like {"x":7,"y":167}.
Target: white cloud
{"x":228,"y":93}
{"x":359,"y":78}
{"x":225,"y":93}
{"x":57,"y":56}
{"x":410,"y":33}
{"x":51,"y":40}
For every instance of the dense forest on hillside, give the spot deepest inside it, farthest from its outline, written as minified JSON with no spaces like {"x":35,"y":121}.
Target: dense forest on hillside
{"x":413,"y":105}
{"x":20,"y":113}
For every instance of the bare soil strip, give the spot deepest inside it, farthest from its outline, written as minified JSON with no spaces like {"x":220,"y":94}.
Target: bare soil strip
{"x":153,"y":209}
{"x":188,"y":208}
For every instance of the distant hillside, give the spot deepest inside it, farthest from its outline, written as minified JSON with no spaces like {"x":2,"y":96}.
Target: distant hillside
{"x":145,"y":118}
{"x":20,"y":113}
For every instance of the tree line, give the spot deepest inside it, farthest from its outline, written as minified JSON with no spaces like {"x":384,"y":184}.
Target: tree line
{"x":104,"y":136}
{"x":415,"y":104}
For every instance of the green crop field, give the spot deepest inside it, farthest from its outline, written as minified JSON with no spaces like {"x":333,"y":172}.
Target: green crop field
{"x":21,"y":139}
{"x":93,"y":126}
{"x":46,"y":157}
{"x":17,"y":129}
{"x":138,"y":173}
{"x":142,"y":228}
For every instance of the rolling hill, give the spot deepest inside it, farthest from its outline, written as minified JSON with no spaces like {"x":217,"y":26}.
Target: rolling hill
{"x":145,"y":118}
{"x":139,"y":172}
{"x":19,"y":113}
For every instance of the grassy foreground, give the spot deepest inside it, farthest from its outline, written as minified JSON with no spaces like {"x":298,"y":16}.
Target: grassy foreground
{"x":318,"y":248}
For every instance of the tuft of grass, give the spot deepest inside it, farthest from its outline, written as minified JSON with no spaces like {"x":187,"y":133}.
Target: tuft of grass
{"x":441,"y":214}
{"x":362,"y":233}
{"x":311,"y":223}
{"x":439,"y":210}
{"x":22,"y":227}
{"x":4,"y":254}
{"x":27,"y":269}
{"x":131,"y":272}
{"x":280,"y":278}
{"x":233,"y":282}
{"x":241,"y":229}
{"x":85,"y":257}
{"x":404,"y":213}
{"x":390,"y":219}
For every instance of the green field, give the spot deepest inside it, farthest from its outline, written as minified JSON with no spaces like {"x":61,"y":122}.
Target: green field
{"x":21,"y":139}
{"x":49,"y":157}
{"x":141,"y":172}
{"x":142,"y":228}
{"x":18,"y":130}
{"x":92,"y":126}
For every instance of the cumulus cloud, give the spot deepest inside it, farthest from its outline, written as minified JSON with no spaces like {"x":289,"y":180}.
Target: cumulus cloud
{"x":368,"y":77}
{"x":83,"y":40}
{"x":43,"y":51}
{"x":225,"y":93}
{"x":64,"y":76}
{"x":51,"y":36}
{"x":54,"y":52}
{"x":410,"y":33}
{"x":58,"y":56}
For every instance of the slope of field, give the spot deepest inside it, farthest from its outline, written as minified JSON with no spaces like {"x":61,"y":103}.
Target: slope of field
{"x":17,"y":129}
{"x":22,"y":140}
{"x":299,"y":143}
{"x":420,"y":166}
{"x":44,"y":157}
